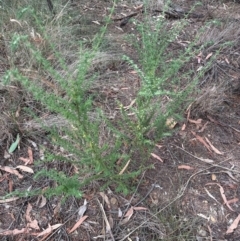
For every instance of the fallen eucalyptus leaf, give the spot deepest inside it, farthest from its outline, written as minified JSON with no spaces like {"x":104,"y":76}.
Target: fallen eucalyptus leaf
{"x":14,"y":145}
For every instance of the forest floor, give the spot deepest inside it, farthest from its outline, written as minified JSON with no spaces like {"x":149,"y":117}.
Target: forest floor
{"x":191,"y":194}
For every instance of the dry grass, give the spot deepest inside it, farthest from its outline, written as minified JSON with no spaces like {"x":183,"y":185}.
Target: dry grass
{"x":116,"y":83}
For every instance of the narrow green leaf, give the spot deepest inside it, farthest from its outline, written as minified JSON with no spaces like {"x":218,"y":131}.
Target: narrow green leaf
{"x":14,"y":145}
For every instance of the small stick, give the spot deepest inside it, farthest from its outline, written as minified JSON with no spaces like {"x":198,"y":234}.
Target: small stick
{"x":108,"y":227}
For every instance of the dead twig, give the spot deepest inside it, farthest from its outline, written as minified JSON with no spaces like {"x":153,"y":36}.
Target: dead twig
{"x":108,"y":227}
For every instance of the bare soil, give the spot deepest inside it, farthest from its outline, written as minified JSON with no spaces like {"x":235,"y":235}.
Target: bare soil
{"x":181,"y":198}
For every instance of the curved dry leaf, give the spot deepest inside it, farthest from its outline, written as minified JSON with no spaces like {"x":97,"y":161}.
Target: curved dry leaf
{"x":25,"y":169}
{"x":82,"y":209}
{"x":46,"y":231}
{"x":30,"y":155}
{"x":124,"y":221}
{"x":77,"y":224}
{"x":9,"y":200}
{"x":197,"y":122}
{"x":14,"y":232}
{"x":106,"y":199}
{"x":183,"y":127}
{"x":28,"y":160}
{"x":96,"y":22}
{"x":234,"y":200}
{"x":208,"y":56}
{"x":233,"y":225}
{"x":206,"y":160}
{"x":213,"y":147}
{"x":15,"y":21}
{"x":25,"y":160}
{"x":139,"y":208}
{"x":43,"y":202}
{"x":49,"y":229}
{"x":158,"y":146}
{"x":129,"y":213}
{"x":127,"y":216}
{"x":11,"y":170}
{"x":130,"y":105}
{"x":185,"y":167}
{"x":224,"y":197}
{"x":55,"y":226}
{"x":200,"y":139}
{"x":157,"y":157}
{"x":138,"y":7}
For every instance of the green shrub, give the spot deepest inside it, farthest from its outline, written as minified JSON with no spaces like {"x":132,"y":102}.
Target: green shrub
{"x":162,"y":95}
